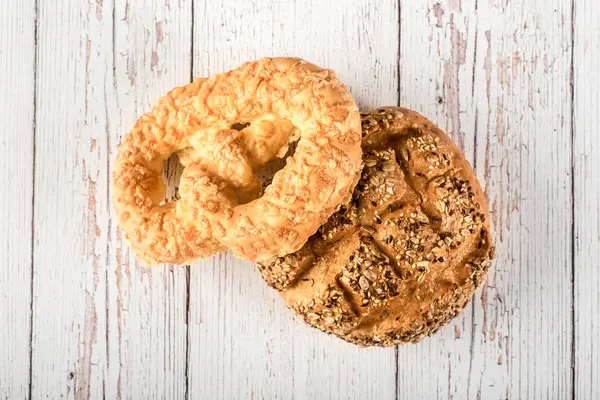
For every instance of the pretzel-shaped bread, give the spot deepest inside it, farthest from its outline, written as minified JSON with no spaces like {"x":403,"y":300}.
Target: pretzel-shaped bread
{"x":225,"y":128}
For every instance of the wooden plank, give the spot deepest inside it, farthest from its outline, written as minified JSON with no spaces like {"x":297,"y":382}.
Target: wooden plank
{"x":495,"y":75}
{"x":587,"y":192}
{"x":244,"y":342}
{"x":71,"y":206}
{"x":436,"y":64}
{"x":146,"y":307}
{"x":17,"y":82}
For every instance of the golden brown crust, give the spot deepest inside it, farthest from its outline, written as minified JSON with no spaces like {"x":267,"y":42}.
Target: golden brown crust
{"x":405,"y":255}
{"x":283,"y":100}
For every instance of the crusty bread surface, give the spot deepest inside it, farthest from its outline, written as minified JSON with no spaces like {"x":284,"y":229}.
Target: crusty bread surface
{"x":405,"y":255}
{"x":224,"y":129}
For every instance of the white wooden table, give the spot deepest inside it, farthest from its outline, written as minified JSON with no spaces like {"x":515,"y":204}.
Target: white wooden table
{"x":516,"y":84}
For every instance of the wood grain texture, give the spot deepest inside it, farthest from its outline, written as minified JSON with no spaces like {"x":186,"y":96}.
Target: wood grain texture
{"x":497,"y":75}
{"x":586,"y":188}
{"x":17,"y":77}
{"x":146,"y":307}
{"x":243,"y":341}
{"x":499,"y":83}
{"x":71,"y":205}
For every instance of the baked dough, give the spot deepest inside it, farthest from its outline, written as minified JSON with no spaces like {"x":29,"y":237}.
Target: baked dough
{"x":224,"y":129}
{"x":406,"y":254}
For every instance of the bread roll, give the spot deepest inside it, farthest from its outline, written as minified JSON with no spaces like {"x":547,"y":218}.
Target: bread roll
{"x":406,"y":254}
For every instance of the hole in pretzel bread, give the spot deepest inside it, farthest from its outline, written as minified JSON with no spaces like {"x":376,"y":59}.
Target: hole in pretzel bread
{"x":238,"y":126}
{"x":171,"y":174}
{"x":266,"y":173}
{"x":268,"y":144}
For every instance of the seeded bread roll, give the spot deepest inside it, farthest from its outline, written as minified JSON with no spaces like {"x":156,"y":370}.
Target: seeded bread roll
{"x":406,"y":254}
